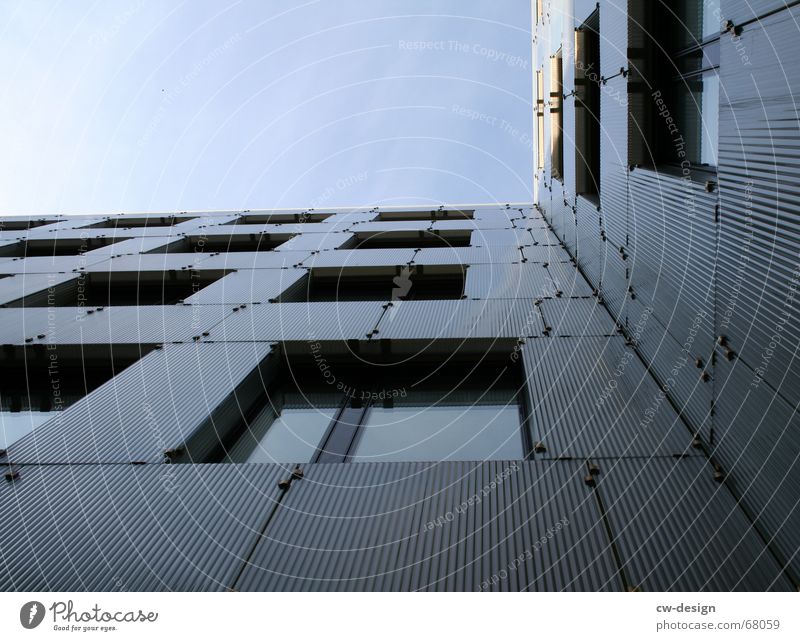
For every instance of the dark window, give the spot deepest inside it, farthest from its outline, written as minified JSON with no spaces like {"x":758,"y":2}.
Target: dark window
{"x":433,"y":214}
{"x":409,"y":239}
{"x":404,"y":283}
{"x":587,"y":107}
{"x":58,"y":246}
{"x":34,"y":387}
{"x":460,"y":411}
{"x":139,"y":221}
{"x":674,"y":86}
{"x":16,"y":224}
{"x":103,"y":289}
{"x":556,"y":117}
{"x":200,"y":243}
{"x":271,"y":219}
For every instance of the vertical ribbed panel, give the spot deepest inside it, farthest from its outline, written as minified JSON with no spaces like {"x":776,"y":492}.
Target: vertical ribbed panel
{"x":123,"y":527}
{"x":577,"y":317}
{"x":592,"y":397}
{"x":247,"y":286}
{"x":335,"y":321}
{"x":158,"y":404}
{"x":444,"y":526}
{"x":757,"y":440}
{"x":676,"y":529}
{"x":759,"y":170}
{"x":460,"y":319}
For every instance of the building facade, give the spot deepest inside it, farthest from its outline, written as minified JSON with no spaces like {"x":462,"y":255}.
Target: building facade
{"x":667,"y":146}
{"x":595,"y":391}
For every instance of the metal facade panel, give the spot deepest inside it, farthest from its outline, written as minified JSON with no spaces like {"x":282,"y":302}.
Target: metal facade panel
{"x":335,"y":321}
{"x":247,"y":286}
{"x":252,"y":260}
{"x":48,"y":264}
{"x":15,"y":288}
{"x":144,"y":324}
{"x":678,"y":530}
{"x":153,"y":407}
{"x":124,"y":527}
{"x":568,"y":280}
{"x":468,"y":255}
{"x":314,"y":242}
{"x":23,"y":325}
{"x":360,"y":258}
{"x":546,"y":254}
{"x":756,"y":441}
{"x":577,"y":317}
{"x":149,"y":262}
{"x":460,"y":319}
{"x":511,"y":237}
{"x":133,"y":246}
{"x":592,"y":397}
{"x":759,"y":169}
{"x":424,"y":534}
{"x":740,"y":11}
{"x":514,"y":281}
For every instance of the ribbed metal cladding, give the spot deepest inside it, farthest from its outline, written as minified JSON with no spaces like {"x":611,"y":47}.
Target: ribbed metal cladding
{"x":477,"y":226}
{"x":334,"y":321}
{"x":131,"y":528}
{"x":541,"y":235}
{"x":683,"y":370}
{"x":133,"y":246}
{"x":577,"y":317}
{"x":512,"y":237}
{"x":252,"y":260}
{"x":14,"y":288}
{"x":520,"y":281}
{"x":468,"y":255}
{"x":756,"y":441}
{"x":360,"y":258}
{"x":592,"y":397}
{"x":460,"y":319}
{"x":672,"y":257}
{"x":48,"y":264}
{"x":145,"y":324}
{"x":545,"y":254}
{"x":439,"y":526}
{"x":678,"y":530}
{"x":180,"y":399}
{"x":247,"y":286}
{"x":23,"y":325}
{"x":149,"y":262}
{"x":313,"y":242}
{"x":615,"y":281}
{"x":568,"y":280}
{"x":759,"y":169}
{"x":740,"y":11}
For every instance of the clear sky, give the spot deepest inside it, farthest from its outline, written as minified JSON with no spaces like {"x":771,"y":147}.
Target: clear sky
{"x":157,"y":105}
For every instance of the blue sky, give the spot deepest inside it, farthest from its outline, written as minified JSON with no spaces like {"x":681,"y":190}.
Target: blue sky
{"x":148,"y":105}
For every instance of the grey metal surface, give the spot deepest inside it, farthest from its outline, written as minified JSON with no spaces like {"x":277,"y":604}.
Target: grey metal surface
{"x":251,"y":260}
{"x":36,"y":286}
{"x":124,"y":527}
{"x":676,"y":529}
{"x":468,"y":255}
{"x":514,"y":281}
{"x":247,"y":286}
{"x":360,"y":258}
{"x":180,"y":399}
{"x":577,"y":317}
{"x":592,"y":397}
{"x":422,"y":533}
{"x":48,"y":264}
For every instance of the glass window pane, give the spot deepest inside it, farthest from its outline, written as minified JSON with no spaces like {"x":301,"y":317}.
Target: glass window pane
{"x":288,"y":433}
{"x":439,"y":433}
{"x":697,"y":108}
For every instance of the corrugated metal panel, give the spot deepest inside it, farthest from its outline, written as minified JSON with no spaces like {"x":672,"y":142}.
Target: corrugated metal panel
{"x":48,"y":264}
{"x":568,"y":280}
{"x":132,"y":528}
{"x":546,"y":254}
{"x":520,"y":281}
{"x":577,"y":317}
{"x":759,"y":170}
{"x":148,"y":262}
{"x":542,"y":236}
{"x":247,"y":286}
{"x":460,"y":319}
{"x":133,"y":246}
{"x":678,"y":530}
{"x":757,"y":440}
{"x":19,"y":324}
{"x":145,"y":324}
{"x":477,"y":226}
{"x":592,"y":397}
{"x":512,"y":237}
{"x":317,"y":540}
{"x":314,"y":242}
{"x":14,"y":288}
{"x":181,"y":396}
{"x":393,"y":226}
{"x":252,"y":260}
{"x":468,"y":255}
{"x":360,"y":258}
{"x":678,"y":367}
{"x":740,"y":11}
{"x":335,"y":321}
